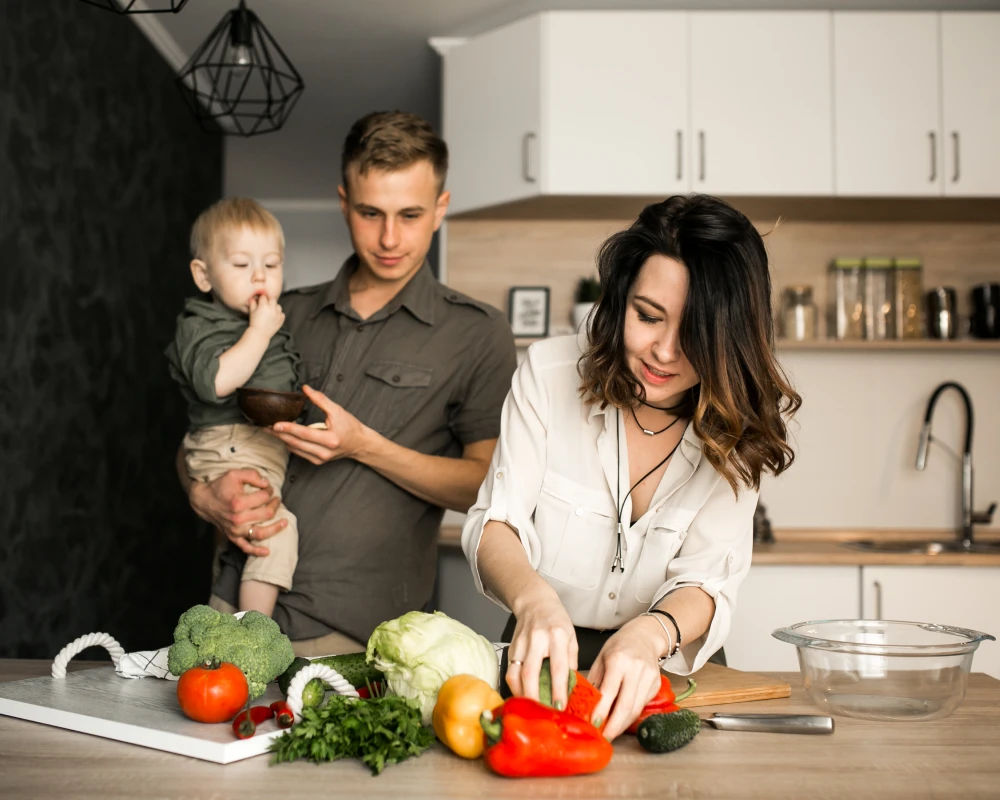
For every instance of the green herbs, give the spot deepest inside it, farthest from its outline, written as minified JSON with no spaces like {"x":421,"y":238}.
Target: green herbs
{"x":379,"y":731}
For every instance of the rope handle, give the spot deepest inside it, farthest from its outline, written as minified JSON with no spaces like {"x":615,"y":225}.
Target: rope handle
{"x":303,"y":676}
{"x":77,"y":645}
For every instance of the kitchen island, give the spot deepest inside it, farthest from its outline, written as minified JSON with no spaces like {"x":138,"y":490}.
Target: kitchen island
{"x":953,"y":757}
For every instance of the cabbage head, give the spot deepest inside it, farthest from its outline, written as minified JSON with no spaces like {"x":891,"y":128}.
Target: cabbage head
{"x":418,"y":652}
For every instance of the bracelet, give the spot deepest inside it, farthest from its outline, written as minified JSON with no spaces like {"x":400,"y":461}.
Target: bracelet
{"x":670,"y":641}
{"x":677,"y":627}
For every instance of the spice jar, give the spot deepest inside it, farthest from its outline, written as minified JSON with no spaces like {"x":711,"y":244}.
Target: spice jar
{"x":879,"y":320}
{"x":798,"y":314}
{"x":907,"y":296}
{"x":847,"y":291}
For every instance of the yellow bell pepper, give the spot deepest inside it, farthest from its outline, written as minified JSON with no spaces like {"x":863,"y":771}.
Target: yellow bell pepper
{"x":460,"y":702}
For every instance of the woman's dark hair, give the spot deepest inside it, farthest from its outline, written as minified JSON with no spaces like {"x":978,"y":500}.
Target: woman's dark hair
{"x":739,"y":407}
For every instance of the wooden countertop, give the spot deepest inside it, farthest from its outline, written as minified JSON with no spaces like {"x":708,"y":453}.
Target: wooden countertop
{"x":826,"y":547}
{"x":951,"y":757}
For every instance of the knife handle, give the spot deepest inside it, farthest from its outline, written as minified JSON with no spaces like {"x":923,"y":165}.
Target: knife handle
{"x":772,"y":723}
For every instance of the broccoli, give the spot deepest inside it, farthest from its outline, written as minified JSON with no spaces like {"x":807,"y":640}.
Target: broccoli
{"x":253,"y":643}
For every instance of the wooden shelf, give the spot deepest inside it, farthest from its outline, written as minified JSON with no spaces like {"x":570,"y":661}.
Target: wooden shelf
{"x":923,"y":345}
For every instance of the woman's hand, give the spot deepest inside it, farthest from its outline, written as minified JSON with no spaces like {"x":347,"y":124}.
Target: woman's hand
{"x":627,"y":673}
{"x":544,"y":630}
{"x":239,"y":514}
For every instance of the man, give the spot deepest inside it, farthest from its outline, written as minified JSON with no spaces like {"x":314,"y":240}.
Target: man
{"x":409,"y":378}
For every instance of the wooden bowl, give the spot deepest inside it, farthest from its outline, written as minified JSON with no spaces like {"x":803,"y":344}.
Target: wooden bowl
{"x":264,"y":407}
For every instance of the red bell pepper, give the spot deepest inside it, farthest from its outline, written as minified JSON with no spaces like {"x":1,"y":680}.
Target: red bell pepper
{"x":663,"y":703}
{"x":525,"y":739}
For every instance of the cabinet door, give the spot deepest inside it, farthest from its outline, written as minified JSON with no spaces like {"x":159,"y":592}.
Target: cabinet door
{"x":888,"y":109}
{"x":966,"y":597}
{"x":970,"y":64}
{"x":774,"y":597}
{"x":492,"y":116}
{"x":614,"y":103}
{"x":761,"y":114}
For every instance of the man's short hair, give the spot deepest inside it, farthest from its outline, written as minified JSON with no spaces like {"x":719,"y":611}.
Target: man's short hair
{"x":393,"y":140}
{"x":228,"y":214}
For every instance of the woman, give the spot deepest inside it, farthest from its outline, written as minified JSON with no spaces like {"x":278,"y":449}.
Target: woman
{"x":617,"y":514}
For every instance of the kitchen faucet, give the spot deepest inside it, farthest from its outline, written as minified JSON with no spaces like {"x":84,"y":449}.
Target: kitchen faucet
{"x":969,"y":517}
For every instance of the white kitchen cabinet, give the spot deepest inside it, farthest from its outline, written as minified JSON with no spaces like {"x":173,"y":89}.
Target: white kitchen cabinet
{"x":761,"y":105}
{"x":887,"y":104}
{"x":774,"y":597}
{"x":492,"y":116}
{"x":970,"y":69}
{"x":966,"y":597}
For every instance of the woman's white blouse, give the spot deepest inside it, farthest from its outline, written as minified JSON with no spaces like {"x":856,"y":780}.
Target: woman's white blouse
{"x":553,"y":480}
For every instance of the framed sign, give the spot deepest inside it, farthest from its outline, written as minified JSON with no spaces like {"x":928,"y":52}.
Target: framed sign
{"x":528,"y":311}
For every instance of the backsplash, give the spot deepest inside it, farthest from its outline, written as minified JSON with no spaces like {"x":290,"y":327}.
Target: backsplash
{"x":856,"y":436}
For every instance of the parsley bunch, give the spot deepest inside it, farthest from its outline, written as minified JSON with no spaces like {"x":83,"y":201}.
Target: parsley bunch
{"x":379,"y":731}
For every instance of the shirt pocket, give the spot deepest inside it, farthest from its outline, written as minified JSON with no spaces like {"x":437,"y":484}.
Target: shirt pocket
{"x":392,"y":394}
{"x":666,"y":533}
{"x":575,"y":525}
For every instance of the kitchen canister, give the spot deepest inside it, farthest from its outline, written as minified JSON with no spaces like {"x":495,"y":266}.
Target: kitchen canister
{"x":879,"y":322}
{"x":942,"y":313}
{"x":907,"y":295}
{"x":798,"y":314}
{"x":986,"y":311}
{"x":847,"y":293}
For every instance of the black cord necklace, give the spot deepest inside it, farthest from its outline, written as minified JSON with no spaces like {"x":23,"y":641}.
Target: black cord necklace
{"x":619,"y":562}
{"x":649,"y":432}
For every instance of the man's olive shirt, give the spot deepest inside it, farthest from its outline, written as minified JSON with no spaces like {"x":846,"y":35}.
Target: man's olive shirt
{"x":430,"y":371}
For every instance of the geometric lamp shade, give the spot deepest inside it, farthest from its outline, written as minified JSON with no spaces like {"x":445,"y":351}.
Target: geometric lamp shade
{"x":239,"y":78}
{"x":139,"y":6}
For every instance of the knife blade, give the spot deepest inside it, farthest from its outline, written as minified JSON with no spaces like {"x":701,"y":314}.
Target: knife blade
{"x":772,"y":723}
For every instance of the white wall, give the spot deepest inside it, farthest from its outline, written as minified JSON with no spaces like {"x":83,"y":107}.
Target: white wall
{"x":316,"y":240}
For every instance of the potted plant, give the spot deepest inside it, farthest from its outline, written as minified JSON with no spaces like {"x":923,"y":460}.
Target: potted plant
{"x":588,"y":292}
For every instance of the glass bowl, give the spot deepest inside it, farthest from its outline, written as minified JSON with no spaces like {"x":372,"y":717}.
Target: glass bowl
{"x":883,"y":669}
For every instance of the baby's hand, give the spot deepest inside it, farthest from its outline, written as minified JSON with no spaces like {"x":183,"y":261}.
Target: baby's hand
{"x":266,"y":315}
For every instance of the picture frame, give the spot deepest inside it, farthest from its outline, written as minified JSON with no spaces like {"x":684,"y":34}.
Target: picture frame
{"x":528,"y":311}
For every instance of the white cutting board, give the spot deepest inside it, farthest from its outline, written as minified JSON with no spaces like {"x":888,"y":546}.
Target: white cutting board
{"x":141,"y":711}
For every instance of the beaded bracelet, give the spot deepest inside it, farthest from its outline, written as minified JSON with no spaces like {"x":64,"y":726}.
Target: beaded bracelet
{"x":677,"y":627}
{"x":670,"y":641}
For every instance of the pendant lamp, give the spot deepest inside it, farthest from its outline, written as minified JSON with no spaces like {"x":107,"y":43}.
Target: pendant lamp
{"x":139,"y":6}
{"x":239,"y":80}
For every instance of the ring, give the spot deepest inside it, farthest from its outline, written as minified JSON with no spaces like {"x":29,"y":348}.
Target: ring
{"x":250,"y":534}
{"x":518,"y":663}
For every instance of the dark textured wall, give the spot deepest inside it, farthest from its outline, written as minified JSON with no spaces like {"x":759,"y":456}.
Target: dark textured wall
{"x":102,"y":171}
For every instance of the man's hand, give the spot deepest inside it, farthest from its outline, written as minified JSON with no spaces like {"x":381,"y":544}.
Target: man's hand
{"x":238,"y":514}
{"x":343,"y":437}
{"x":266,"y":315}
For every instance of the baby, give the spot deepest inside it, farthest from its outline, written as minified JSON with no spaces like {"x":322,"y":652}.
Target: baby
{"x":232,"y":338}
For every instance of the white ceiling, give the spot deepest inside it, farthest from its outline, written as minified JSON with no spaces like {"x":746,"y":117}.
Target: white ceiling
{"x":357,"y":56}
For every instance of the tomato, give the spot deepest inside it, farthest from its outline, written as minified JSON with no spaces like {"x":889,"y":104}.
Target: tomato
{"x":212,"y":693}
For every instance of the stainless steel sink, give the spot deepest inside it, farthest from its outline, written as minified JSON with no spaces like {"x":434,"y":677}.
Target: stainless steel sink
{"x":924,"y":548}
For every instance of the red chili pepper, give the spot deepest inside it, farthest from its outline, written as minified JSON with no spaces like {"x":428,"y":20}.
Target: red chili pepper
{"x":284,"y":714}
{"x":663,"y":703}
{"x":246,"y":722}
{"x":524,"y":738}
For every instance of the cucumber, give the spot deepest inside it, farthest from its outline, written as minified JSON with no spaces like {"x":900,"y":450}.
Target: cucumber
{"x":545,"y":684}
{"x":352,"y":666}
{"x":662,"y":733}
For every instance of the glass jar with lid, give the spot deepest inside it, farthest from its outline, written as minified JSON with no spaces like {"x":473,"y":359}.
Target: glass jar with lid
{"x":847,"y":293}
{"x":879,"y":318}
{"x":798,"y":314}
{"x":908,"y":298}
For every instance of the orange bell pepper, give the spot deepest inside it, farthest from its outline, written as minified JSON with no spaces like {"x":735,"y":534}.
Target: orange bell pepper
{"x":460,"y":703}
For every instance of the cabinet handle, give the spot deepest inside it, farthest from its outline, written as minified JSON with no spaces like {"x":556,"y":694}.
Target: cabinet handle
{"x":878,"y":599}
{"x":954,"y":141}
{"x":525,"y":154}
{"x":701,"y":155}
{"x":680,"y":155}
{"x":933,"y":137}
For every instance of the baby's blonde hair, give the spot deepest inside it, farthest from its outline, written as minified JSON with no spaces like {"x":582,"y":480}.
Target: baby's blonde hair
{"x":232,"y":213}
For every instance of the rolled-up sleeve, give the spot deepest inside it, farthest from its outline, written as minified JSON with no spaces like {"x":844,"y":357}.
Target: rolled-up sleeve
{"x":194,"y":356}
{"x":715,"y":557}
{"x":510,"y":492}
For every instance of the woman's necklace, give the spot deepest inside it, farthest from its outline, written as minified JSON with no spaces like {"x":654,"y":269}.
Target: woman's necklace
{"x":649,"y":432}
{"x":619,"y":562}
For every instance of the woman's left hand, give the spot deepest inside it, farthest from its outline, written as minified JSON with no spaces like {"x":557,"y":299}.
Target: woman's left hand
{"x":627,"y":673}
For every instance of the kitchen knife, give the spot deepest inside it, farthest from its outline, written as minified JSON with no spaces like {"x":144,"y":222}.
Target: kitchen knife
{"x":771,"y":723}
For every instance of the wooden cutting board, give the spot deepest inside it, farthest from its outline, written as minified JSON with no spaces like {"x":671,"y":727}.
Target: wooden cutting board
{"x":718,"y":685}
